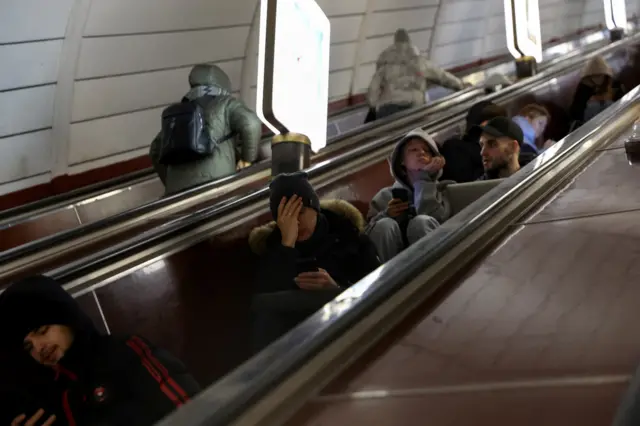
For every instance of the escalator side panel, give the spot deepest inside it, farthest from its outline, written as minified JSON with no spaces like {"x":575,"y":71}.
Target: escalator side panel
{"x":196,"y":302}
{"x":25,"y":232}
{"x":608,"y":185}
{"x":547,"y":316}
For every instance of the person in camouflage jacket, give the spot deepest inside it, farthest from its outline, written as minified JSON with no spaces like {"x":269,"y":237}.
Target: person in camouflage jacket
{"x":226,"y":115}
{"x":401,"y":77}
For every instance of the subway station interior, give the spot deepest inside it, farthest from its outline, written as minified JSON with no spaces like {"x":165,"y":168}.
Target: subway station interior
{"x":515,"y":304}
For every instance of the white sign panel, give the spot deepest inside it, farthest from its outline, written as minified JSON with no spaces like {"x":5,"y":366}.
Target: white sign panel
{"x":293,"y":68}
{"x":522,"y":22}
{"x":615,"y":14}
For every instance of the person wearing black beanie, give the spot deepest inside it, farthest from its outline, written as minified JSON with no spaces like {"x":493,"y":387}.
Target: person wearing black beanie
{"x":96,"y":379}
{"x":310,"y":252}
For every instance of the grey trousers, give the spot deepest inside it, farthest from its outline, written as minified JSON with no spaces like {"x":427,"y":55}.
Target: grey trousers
{"x":386,"y":234}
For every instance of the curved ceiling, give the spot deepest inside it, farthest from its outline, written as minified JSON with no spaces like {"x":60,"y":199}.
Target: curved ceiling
{"x":82,"y":84}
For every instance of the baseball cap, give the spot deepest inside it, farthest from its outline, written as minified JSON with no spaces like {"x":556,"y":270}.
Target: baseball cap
{"x":503,"y":127}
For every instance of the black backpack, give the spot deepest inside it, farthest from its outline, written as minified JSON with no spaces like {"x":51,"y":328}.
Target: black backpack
{"x":185,"y":136}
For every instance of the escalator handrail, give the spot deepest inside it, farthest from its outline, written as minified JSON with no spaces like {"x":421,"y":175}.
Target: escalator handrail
{"x":229,"y":181}
{"x":378,"y":126}
{"x":226,"y":399}
{"x":76,"y":272}
{"x":115,"y":183}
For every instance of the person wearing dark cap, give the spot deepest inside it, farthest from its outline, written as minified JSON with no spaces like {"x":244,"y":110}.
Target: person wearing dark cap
{"x":500,"y":141}
{"x":462,"y":154}
{"x":312,"y":246}
{"x":401,"y":77}
{"x":93,"y":378}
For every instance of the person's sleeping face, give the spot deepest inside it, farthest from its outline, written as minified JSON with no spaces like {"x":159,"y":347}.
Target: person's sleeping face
{"x":49,"y":343}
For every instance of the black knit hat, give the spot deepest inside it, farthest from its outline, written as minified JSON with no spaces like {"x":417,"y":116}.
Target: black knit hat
{"x":36,"y":301}
{"x":289,"y":184}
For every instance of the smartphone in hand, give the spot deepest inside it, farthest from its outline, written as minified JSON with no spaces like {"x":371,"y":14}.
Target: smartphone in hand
{"x":401,"y":194}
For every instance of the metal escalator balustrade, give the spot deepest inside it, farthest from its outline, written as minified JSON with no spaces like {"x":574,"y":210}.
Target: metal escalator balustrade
{"x":267,"y":389}
{"x":37,"y":254}
{"x":21,"y":213}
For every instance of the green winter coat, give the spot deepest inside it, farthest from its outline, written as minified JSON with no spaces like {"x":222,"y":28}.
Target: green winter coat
{"x":225,"y":115}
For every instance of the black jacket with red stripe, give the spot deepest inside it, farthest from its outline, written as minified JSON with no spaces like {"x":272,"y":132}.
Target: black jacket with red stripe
{"x":101,"y":380}
{"x":123,"y":382}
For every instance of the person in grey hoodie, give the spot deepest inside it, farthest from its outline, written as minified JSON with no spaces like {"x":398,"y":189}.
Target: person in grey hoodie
{"x":414,"y":205}
{"x":401,"y":77}
{"x":226,"y":115}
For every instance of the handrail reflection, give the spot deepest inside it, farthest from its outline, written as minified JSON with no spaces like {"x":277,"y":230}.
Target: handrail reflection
{"x":223,"y":401}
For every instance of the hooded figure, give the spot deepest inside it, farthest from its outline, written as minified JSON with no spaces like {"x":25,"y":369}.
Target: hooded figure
{"x":226,"y":116}
{"x":295,"y":278}
{"x":462,"y":154}
{"x":401,"y":77}
{"x":597,"y":90}
{"x":91,"y":379}
{"x":394,"y":223}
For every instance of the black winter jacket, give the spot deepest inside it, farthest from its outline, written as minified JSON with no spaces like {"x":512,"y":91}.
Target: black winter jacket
{"x":101,"y":380}
{"x":344,"y":252}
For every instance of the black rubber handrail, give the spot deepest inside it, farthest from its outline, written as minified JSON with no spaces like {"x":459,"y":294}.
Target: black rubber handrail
{"x":228,"y":398}
{"x":361,"y":133}
{"x":124,"y":180}
{"x":186,"y":223}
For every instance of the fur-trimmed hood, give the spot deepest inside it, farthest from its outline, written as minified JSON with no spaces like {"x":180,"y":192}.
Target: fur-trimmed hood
{"x":260,"y":235}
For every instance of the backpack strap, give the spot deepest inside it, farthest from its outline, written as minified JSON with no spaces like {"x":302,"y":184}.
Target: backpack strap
{"x":204,"y":102}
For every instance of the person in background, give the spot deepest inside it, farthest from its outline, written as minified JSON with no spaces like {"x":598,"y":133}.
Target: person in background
{"x":500,"y":141}
{"x":414,"y":206}
{"x":91,"y":378}
{"x":533,"y":120}
{"x":400,"y":80}
{"x":462,"y":154}
{"x":310,"y":253}
{"x":596,"y":91}
{"x":228,"y":121}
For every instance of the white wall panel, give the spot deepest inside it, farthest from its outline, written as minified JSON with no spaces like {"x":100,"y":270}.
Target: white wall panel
{"x":339,"y":84}
{"x":461,"y":11}
{"x":342,"y":56}
{"x":382,"y":23}
{"x":402,"y":4}
{"x":458,"y":53}
{"x":109,"y":17}
{"x":127,"y":54}
{"x":345,"y":28}
{"x":95,"y":139}
{"x":342,"y":7}
{"x":115,"y":95}
{"x":30,"y":155}
{"x":24,"y":20}
{"x":26,"y":110}
{"x":456,"y":32}
{"x":29,"y":64}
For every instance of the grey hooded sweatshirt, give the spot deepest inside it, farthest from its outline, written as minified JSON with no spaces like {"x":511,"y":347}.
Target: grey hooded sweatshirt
{"x":427,"y":196}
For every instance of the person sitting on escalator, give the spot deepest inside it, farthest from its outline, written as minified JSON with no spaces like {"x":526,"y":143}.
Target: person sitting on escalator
{"x":311,"y":252}
{"x":91,"y":379}
{"x":414,"y":205}
{"x":597,"y":90}
{"x":533,"y":120}
{"x":462,"y":154}
{"x":401,"y":76}
{"x":500,"y":141}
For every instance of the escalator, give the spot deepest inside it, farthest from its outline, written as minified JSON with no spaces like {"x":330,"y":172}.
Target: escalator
{"x":48,"y":217}
{"x":364,"y":150}
{"x":519,"y":310}
{"x":186,"y":284}
{"x":143,"y":185}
